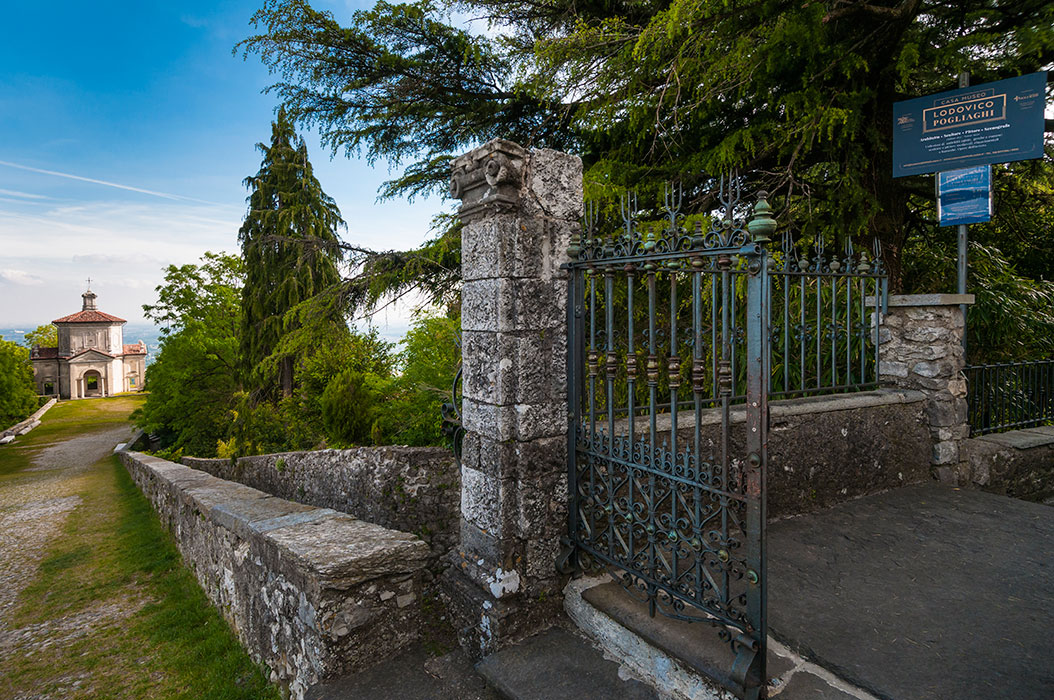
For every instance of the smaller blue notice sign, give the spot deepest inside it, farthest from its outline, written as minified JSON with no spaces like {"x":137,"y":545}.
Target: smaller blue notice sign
{"x":965,"y":196}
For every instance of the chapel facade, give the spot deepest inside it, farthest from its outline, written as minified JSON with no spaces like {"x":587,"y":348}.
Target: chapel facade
{"x":91,"y":358}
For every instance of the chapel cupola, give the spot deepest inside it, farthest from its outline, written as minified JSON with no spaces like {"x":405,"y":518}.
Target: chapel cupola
{"x":89,"y":301}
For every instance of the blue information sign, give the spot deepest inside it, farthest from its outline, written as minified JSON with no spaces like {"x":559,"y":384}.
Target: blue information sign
{"x":995,"y":122}
{"x":965,"y":196}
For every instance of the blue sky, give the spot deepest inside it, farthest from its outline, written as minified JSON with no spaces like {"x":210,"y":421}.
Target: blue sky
{"x":144,"y":102}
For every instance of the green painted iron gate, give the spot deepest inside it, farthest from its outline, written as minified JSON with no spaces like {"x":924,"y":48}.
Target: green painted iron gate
{"x":677,"y":339}
{"x":667,"y":485}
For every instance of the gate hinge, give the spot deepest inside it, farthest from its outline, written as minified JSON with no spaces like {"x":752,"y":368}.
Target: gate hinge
{"x":565,"y":559}
{"x":745,"y":669}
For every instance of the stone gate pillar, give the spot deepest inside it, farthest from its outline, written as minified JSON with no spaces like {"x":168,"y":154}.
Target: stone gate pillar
{"x":921,"y":347}
{"x":518,"y":209}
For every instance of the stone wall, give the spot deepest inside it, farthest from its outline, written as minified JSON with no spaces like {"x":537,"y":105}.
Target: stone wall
{"x":1019,"y":463}
{"x":310,"y":592}
{"x":827,"y":449}
{"x":920,"y":347}
{"x":23,"y":427}
{"x":413,"y":489}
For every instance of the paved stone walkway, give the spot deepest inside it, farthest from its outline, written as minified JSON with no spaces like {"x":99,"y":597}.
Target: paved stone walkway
{"x":921,"y":593}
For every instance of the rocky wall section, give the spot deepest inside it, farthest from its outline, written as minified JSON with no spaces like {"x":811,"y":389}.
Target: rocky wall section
{"x":310,"y":592}
{"x":23,"y":427}
{"x":1019,"y":463}
{"x":920,"y":347}
{"x":413,"y":489}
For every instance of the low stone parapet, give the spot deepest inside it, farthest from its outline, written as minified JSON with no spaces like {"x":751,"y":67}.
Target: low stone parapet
{"x":823,"y":449}
{"x":311,"y":592}
{"x":413,"y":489}
{"x":1019,"y":463}
{"x":28,"y":424}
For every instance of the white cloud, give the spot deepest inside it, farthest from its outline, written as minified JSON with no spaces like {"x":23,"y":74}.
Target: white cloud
{"x":123,"y":247}
{"x":20,"y":277}
{"x":105,"y":183}
{"x":22,"y":195}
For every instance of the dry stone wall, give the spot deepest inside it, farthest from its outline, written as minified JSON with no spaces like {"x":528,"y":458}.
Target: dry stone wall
{"x":827,"y":449}
{"x":413,"y":489}
{"x":920,"y":347}
{"x":28,"y":424}
{"x":311,"y":593}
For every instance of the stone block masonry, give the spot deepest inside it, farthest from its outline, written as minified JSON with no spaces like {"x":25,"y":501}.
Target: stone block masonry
{"x":1019,"y":463}
{"x":312,"y":593}
{"x":519,"y":209}
{"x":413,"y":489}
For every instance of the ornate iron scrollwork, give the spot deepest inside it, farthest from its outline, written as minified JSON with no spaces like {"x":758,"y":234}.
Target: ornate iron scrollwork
{"x":452,"y":426}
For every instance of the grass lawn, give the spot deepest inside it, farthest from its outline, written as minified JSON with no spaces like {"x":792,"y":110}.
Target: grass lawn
{"x":110,"y":611}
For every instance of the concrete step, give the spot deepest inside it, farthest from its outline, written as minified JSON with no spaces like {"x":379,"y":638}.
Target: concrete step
{"x":687,"y":660}
{"x":558,"y":665}
{"x":413,"y":675}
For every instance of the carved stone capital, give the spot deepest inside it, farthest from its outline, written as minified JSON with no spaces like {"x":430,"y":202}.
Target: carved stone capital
{"x":489,"y":178}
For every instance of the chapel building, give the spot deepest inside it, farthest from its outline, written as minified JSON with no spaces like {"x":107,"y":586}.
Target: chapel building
{"x":91,"y":358}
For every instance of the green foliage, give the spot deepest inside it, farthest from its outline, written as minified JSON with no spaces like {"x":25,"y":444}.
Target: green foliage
{"x":18,"y":393}
{"x":46,"y":336}
{"x":410,"y":413}
{"x":434,"y":269}
{"x":796,"y":97}
{"x":193,"y":379}
{"x":1012,"y":318}
{"x":1010,"y":270}
{"x":400,"y":83}
{"x":290,"y":249}
{"x":236,"y":329}
{"x":258,"y":427}
{"x":349,"y":404}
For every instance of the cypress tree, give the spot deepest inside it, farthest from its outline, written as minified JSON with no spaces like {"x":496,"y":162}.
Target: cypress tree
{"x":291,"y":248}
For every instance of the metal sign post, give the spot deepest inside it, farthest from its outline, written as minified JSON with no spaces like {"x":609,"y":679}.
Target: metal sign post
{"x":964,"y":81}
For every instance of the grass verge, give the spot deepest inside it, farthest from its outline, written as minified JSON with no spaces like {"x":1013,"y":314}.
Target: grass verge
{"x":112,"y":612}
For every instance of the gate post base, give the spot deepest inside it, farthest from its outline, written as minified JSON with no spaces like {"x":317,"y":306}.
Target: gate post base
{"x":486,"y":624}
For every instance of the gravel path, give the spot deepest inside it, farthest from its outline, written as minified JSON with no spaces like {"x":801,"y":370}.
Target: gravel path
{"x":34,"y":505}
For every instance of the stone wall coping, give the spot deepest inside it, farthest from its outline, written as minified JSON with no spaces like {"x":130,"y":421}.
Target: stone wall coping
{"x":899,"y":300}
{"x":351,"y":453}
{"x":23,"y":427}
{"x":333,"y":547}
{"x":785,"y":408}
{"x":407,"y":489}
{"x":1023,"y":439}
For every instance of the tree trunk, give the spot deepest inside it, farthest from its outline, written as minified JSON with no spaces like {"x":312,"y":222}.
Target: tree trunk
{"x":287,"y":377}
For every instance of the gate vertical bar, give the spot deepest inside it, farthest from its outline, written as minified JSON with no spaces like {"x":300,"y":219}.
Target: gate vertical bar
{"x":575,"y":372}
{"x":757,"y":415}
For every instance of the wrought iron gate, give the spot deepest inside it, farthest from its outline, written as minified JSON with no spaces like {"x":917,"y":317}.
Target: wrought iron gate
{"x":667,"y":485}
